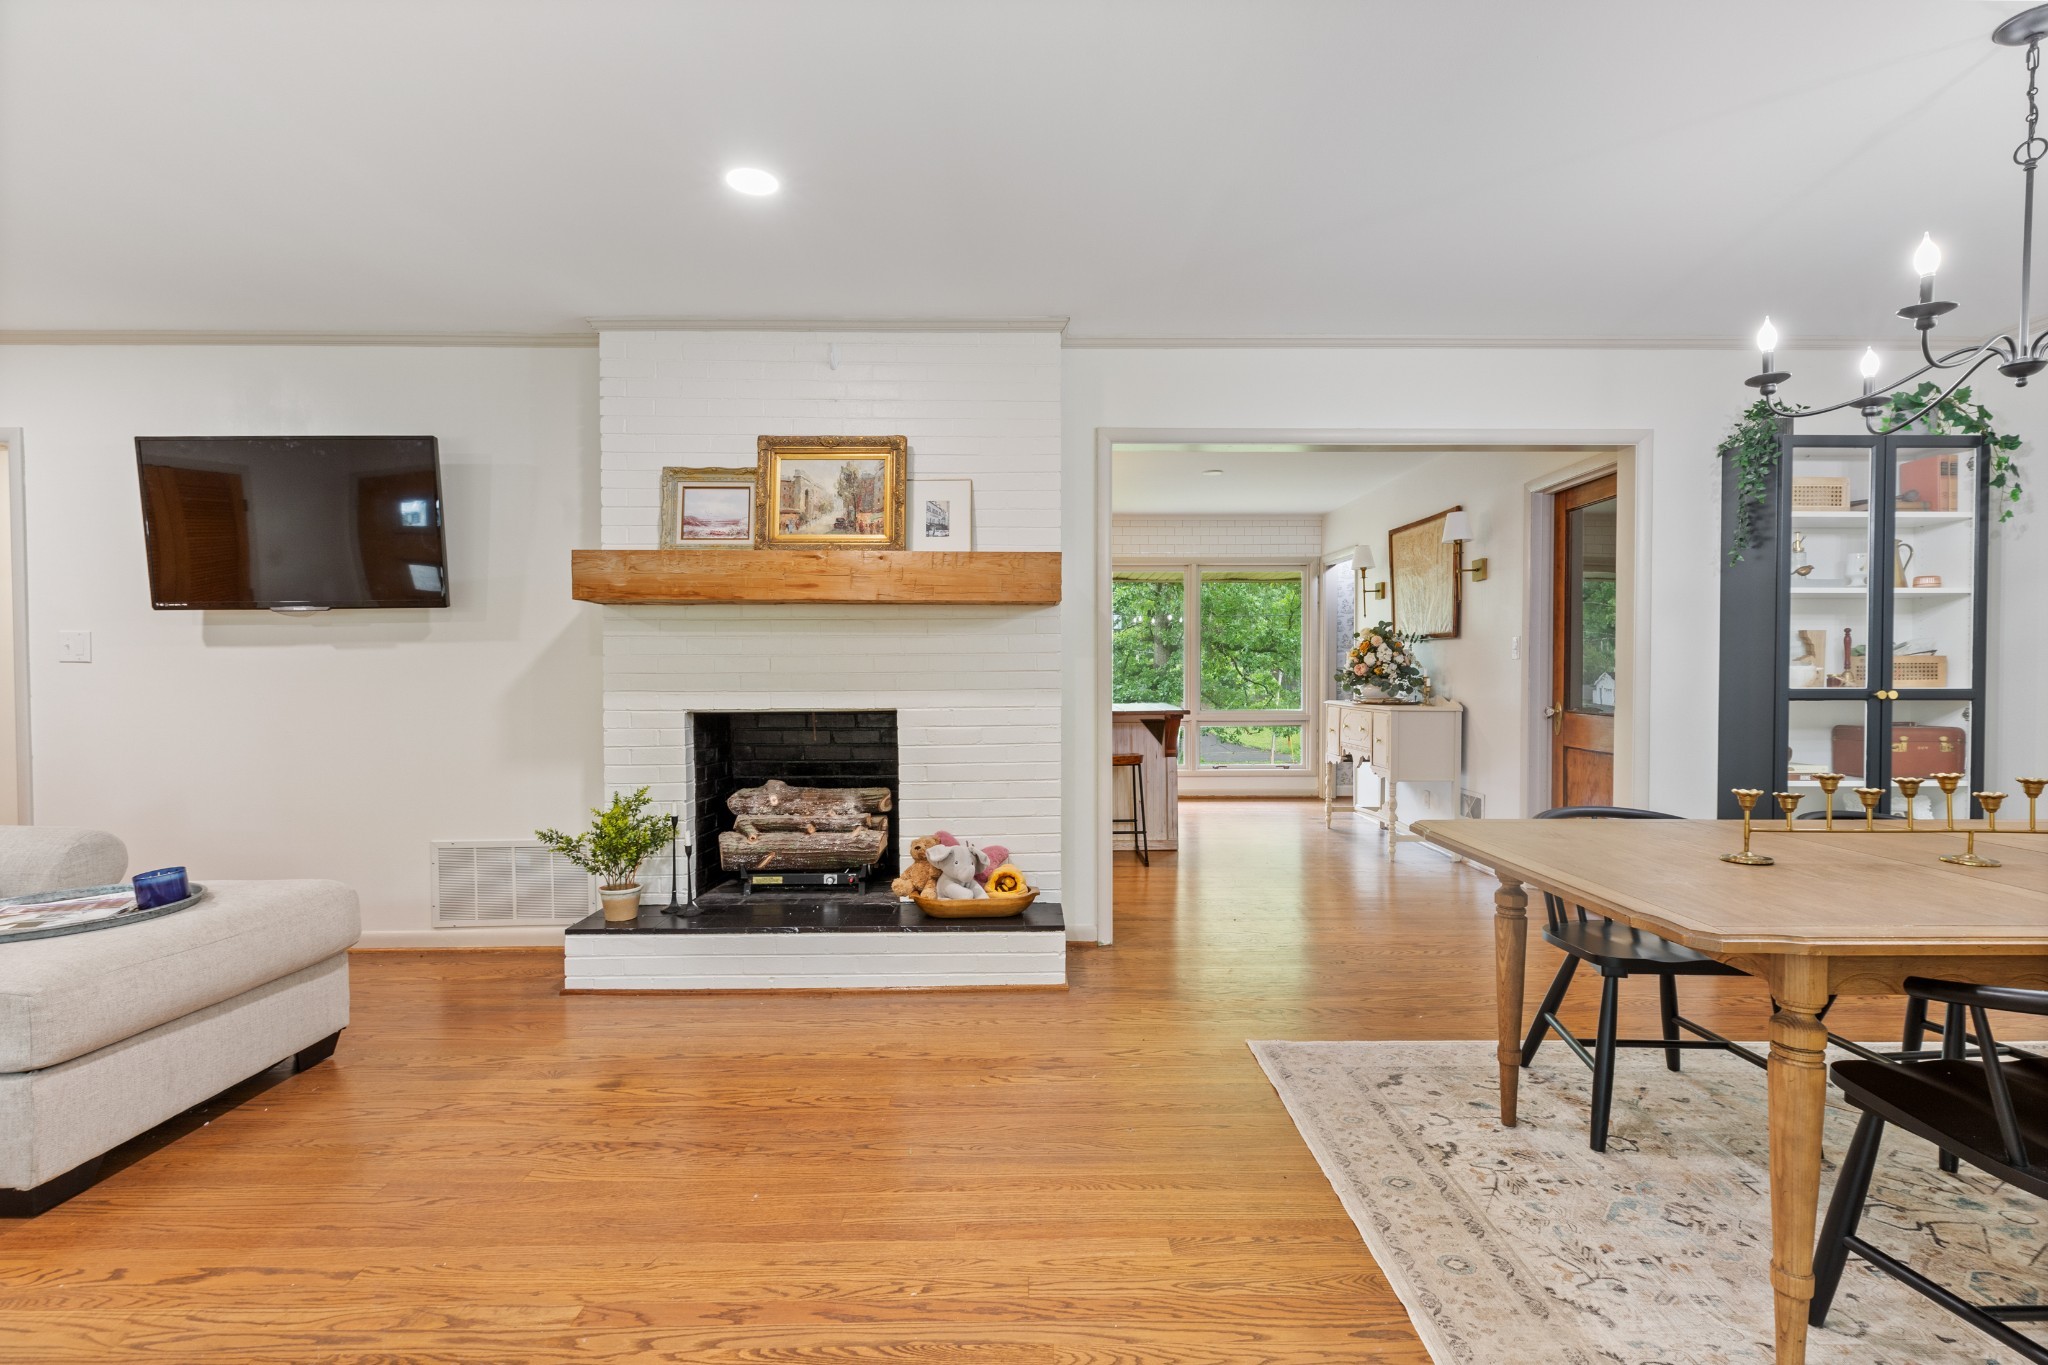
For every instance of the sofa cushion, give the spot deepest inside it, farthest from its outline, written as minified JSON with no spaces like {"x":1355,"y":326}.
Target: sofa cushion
{"x":64,"y":997}
{"x":37,"y":858}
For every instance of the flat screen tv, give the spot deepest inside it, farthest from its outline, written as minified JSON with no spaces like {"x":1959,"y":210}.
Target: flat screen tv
{"x":292,"y":523}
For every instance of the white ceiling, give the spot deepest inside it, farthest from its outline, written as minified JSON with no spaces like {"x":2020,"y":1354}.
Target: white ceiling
{"x":1572,"y":168}
{"x":1268,"y":480}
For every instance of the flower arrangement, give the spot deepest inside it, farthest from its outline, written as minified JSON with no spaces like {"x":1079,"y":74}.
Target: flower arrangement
{"x":1384,"y":661}
{"x":619,"y":840}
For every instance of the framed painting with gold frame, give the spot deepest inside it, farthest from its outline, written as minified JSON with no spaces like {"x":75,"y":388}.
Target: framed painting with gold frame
{"x":709,"y":509}
{"x":1424,"y":595}
{"x":825,"y":491}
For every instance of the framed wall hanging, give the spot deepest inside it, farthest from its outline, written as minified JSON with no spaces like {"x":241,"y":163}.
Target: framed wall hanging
{"x":1424,"y":593}
{"x":942,"y":514}
{"x":707,"y":509}
{"x":817,"y":491}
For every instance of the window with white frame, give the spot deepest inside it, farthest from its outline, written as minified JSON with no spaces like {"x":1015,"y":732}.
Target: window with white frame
{"x":1228,"y":643}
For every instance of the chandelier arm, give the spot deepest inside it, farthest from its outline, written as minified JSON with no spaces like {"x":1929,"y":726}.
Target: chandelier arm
{"x":1870,"y":416}
{"x":2001,"y":345}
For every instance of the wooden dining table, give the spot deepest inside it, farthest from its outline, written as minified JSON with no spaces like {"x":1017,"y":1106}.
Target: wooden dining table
{"x":1852,"y":912}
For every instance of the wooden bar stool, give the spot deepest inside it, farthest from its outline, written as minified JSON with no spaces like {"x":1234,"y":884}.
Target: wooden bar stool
{"x":1136,"y":763}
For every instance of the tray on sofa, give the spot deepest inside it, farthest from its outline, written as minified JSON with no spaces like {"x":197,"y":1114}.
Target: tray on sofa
{"x":46,"y":915}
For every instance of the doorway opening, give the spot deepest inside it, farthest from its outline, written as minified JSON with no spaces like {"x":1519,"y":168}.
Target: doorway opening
{"x":1238,"y":573}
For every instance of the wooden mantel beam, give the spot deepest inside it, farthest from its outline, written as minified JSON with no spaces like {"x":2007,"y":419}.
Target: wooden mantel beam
{"x":935,"y":577}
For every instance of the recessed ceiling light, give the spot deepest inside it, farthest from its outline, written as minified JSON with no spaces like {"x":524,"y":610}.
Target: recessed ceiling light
{"x":752,"y":180}
{"x":1212,"y":472}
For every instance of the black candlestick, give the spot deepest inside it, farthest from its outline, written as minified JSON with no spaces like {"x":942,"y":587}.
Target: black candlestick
{"x":675,"y":823}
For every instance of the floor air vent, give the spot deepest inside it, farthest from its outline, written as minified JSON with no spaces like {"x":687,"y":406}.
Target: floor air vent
{"x":506,"y":881}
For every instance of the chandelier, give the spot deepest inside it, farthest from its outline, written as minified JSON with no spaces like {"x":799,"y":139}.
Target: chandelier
{"x":2019,"y":358}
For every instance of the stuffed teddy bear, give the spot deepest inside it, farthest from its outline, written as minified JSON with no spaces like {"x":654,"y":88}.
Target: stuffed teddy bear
{"x":919,"y":876}
{"x":955,"y":863}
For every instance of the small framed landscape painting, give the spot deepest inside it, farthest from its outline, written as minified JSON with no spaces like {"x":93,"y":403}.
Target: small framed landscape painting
{"x":707,"y":508}
{"x":942,"y":514}
{"x":1422,"y":579}
{"x":819,"y":491}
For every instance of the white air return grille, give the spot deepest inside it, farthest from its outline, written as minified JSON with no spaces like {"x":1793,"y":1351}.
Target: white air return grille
{"x":506,"y":881}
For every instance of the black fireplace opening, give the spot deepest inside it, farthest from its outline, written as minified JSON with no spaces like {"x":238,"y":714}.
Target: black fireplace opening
{"x":734,"y":749}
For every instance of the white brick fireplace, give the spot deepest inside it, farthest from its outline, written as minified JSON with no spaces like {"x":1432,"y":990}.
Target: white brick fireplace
{"x":976,"y":690}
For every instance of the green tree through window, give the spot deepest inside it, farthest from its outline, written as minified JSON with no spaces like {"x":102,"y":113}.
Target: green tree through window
{"x":1148,"y":628}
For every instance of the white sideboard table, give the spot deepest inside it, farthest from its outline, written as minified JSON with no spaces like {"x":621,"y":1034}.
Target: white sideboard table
{"x":1421,"y":743}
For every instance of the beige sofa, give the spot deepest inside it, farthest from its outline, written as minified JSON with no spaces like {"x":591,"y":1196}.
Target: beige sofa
{"x":105,"y":1034}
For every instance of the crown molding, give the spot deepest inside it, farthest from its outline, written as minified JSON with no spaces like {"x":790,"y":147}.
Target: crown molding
{"x":1428,"y":343}
{"x":760,"y":324}
{"x":196,"y":338}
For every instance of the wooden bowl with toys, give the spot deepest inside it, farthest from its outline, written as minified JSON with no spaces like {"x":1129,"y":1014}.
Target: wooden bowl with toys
{"x":951,"y":869}
{"x":990,"y":906}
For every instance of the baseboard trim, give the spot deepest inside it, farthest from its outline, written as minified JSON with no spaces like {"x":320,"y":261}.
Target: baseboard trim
{"x":520,"y":936}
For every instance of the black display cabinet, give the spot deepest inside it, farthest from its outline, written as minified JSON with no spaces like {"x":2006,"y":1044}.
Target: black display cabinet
{"x":1853,"y":627}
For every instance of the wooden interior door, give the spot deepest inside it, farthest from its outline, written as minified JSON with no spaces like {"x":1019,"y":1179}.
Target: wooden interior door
{"x":1583,"y":666}
{"x":199,"y":539}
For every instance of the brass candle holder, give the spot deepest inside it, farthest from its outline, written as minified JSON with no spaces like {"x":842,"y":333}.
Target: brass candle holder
{"x":1870,"y":796}
{"x":1745,"y":797}
{"x":1948,"y":782}
{"x":1829,"y":782}
{"x":1788,"y":802}
{"x":1969,"y":857}
{"x":2032,"y":787}
{"x":1909,"y":787}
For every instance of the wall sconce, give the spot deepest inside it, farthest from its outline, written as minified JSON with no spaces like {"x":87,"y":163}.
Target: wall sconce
{"x":1362,"y":560}
{"x":1458,"y":530}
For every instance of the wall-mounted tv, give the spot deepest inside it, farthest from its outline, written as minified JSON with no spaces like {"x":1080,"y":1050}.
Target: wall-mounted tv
{"x":292,"y":523}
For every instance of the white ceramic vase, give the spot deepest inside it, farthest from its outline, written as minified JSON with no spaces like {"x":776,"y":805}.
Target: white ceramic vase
{"x":621,"y":906}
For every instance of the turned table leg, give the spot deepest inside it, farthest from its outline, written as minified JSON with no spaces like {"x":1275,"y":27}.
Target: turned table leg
{"x":1510,"y":951}
{"x":1798,"y":1099}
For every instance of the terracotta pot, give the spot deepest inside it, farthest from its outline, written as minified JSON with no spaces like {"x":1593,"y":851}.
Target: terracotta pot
{"x":621,"y":905}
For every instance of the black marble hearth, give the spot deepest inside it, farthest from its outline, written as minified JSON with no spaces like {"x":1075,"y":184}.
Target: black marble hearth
{"x":785,"y":913}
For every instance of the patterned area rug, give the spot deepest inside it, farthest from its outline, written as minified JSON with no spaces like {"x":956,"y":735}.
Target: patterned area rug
{"x":1523,"y":1245}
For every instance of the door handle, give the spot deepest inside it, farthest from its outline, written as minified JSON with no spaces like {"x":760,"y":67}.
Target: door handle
{"x":1556,"y":714}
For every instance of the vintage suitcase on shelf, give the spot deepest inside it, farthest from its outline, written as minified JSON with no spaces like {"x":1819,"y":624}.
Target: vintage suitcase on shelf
{"x":1917,"y":750}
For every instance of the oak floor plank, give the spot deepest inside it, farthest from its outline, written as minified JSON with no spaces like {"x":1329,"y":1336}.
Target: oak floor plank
{"x":490,"y":1171}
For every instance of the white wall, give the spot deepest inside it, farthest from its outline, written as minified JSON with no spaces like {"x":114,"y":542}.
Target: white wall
{"x":247,"y":744}
{"x":976,"y":689}
{"x":1678,"y":403}
{"x":1281,"y":539}
{"x":1476,"y":668}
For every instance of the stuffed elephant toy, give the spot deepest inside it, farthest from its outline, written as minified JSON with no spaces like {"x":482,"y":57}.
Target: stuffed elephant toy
{"x":955,"y":863}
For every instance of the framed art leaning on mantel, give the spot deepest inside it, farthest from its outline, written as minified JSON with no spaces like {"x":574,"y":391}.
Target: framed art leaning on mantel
{"x":1424,"y":587}
{"x":844,"y":491}
{"x":708,"y":509}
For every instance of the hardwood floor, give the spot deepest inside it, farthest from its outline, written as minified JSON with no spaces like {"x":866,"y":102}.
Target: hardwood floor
{"x":489,"y":1171}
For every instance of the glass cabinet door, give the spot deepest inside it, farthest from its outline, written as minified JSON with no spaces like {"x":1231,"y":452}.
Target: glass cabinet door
{"x":1931,"y":567}
{"x":1831,"y":736}
{"x":1832,"y":559}
{"x":1925,"y":738}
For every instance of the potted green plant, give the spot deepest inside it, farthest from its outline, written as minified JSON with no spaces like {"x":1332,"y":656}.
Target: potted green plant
{"x":620,"y":839}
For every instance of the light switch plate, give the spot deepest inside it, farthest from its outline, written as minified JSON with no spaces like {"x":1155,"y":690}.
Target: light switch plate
{"x":74,"y":646}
